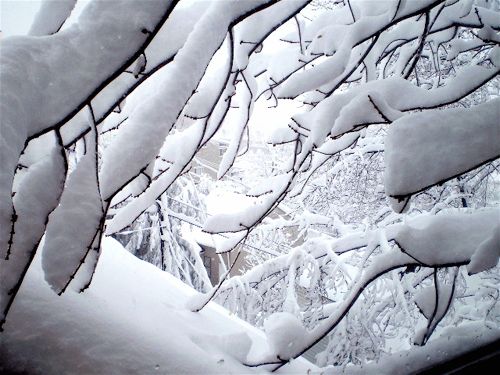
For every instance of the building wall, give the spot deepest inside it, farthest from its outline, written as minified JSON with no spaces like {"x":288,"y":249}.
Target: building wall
{"x":208,"y":159}
{"x":212,"y":262}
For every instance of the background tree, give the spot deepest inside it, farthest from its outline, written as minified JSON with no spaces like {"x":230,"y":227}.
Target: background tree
{"x":160,"y":235}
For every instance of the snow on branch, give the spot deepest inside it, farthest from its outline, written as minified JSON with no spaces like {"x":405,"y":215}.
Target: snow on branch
{"x":51,"y":16}
{"x":76,"y":223}
{"x":133,"y":149}
{"x":355,"y":34}
{"x":86,"y":68}
{"x":424,"y":149}
{"x":447,"y":240}
{"x":409,"y":83}
{"x":36,"y":198}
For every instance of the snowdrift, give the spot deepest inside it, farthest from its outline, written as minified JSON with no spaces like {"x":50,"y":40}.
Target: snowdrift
{"x":131,"y":320}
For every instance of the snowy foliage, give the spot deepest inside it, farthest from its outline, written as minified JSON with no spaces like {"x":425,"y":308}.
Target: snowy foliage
{"x":381,"y":188}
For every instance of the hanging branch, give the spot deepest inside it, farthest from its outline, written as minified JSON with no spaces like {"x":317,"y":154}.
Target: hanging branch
{"x":416,"y":55}
{"x":12,"y":293}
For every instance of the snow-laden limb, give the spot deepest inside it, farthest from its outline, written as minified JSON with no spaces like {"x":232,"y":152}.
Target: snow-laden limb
{"x":65,"y":70}
{"x":361,"y":111}
{"x":445,"y":19}
{"x":383,"y":101}
{"x":250,"y":33}
{"x":158,"y":54}
{"x":36,"y":150}
{"x":241,"y":221}
{"x":141,"y":138}
{"x":51,"y":16}
{"x":360,"y":31}
{"x":164,"y":47}
{"x":83,"y":274}
{"x":173,"y":34}
{"x":433,"y":302}
{"x":75,"y":128}
{"x":250,"y":216}
{"x":200,"y":300}
{"x":429,"y":240}
{"x":214,"y":81}
{"x":275,"y":190}
{"x":220,"y":107}
{"x":358,"y":240}
{"x":36,"y":197}
{"x":323,"y":154}
{"x":180,"y":148}
{"x":280,"y":263}
{"x":282,"y":135}
{"x":245,"y":100}
{"x":74,"y":226}
{"x":381,"y":265}
{"x":448,"y":238}
{"x":424,"y":149}
{"x":204,"y":104}
{"x":198,"y":100}
{"x":267,"y":186}
{"x":229,"y":241}
{"x":487,"y":253}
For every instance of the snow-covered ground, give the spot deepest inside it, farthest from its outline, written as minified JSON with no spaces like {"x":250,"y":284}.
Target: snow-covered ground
{"x":132,"y":320}
{"x":449,"y":345}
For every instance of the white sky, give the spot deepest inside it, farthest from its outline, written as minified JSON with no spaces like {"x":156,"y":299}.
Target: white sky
{"x":16,"y":16}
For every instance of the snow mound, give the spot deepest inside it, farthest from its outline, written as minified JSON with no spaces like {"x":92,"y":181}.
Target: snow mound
{"x":285,"y":334}
{"x":131,"y":320}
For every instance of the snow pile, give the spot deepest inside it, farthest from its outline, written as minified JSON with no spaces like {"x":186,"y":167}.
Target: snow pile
{"x":237,"y":345}
{"x":130,"y":321}
{"x":285,"y":333}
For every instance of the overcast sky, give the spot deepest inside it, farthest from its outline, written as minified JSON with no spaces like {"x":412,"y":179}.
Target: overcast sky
{"x":16,"y":16}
